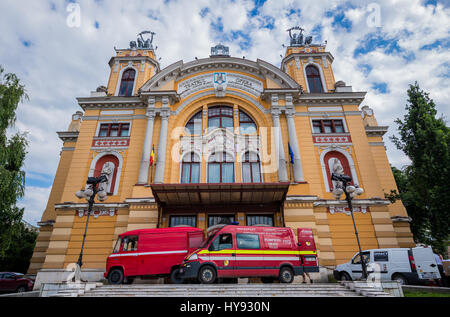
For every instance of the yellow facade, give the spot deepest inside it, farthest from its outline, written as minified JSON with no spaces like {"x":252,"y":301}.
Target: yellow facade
{"x":160,"y":105}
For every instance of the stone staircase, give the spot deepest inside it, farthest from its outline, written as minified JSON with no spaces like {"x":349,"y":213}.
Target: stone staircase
{"x":344,"y":289}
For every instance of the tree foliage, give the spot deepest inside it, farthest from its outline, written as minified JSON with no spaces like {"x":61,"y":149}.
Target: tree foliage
{"x":12,"y":156}
{"x":424,"y":185}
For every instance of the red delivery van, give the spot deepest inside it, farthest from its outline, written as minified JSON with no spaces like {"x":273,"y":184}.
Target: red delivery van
{"x":151,"y":252}
{"x":250,"y":251}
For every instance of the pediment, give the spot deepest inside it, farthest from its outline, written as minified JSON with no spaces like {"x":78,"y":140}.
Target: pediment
{"x":240,"y":73}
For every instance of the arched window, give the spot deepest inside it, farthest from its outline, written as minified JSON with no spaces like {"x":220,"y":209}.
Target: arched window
{"x":251,"y":172}
{"x":114,"y":162}
{"x":194,"y":125}
{"x":335,"y":160}
{"x":220,"y":117}
{"x":246,"y":124}
{"x":127,"y":83}
{"x":313,"y":77}
{"x":190,"y":169}
{"x":220,"y":168}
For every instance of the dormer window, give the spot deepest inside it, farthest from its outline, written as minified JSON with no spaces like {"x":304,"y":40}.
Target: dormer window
{"x":127,"y":83}
{"x":314,"y":80}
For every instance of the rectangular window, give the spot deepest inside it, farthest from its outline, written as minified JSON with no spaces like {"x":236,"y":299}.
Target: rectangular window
{"x":114,"y":129}
{"x":381,"y":256}
{"x":117,"y":246}
{"x":217,"y":219}
{"x":247,"y":241}
{"x":260,"y":220}
{"x":328,"y":126}
{"x":190,"y":221}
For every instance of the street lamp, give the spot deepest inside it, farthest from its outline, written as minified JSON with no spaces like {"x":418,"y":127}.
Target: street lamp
{"x":350,"y":192}
{"x":95,"y":186}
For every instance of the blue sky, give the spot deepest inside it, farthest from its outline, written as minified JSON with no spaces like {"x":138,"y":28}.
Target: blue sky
{"x":378,"y":46}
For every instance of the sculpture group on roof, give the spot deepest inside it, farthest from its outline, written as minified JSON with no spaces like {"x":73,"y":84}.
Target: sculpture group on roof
{"x":141,"y":42}
{"x":297,"y":37}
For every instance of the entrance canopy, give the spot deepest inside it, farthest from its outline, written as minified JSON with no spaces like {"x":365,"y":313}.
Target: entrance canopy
{"x":195,"y":195}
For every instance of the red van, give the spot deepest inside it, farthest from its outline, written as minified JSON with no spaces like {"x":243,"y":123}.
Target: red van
{"x":251,"y":251}
{"x":151,"y":252}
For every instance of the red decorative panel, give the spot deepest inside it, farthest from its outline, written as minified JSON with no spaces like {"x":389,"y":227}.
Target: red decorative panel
{"x":332,"y":139}
{"x":108,"y":142}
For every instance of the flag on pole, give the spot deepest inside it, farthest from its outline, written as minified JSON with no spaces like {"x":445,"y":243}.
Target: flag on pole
{"x":291,"y":154}
{"x":152,"y":156}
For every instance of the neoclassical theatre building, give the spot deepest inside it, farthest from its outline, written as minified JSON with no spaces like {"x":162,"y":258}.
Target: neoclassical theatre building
{"x":221,"y":138}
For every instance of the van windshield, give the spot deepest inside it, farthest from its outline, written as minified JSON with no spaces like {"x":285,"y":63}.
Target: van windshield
{"x":117,"y":246}
{"x":207,"y":241}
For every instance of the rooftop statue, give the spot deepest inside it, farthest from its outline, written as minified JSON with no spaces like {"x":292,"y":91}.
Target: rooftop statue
{"x":143,"y":43}
{"x":296,"y":35}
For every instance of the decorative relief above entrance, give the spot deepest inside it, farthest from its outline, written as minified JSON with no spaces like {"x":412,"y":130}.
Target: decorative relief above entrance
{"x":222,"y":79}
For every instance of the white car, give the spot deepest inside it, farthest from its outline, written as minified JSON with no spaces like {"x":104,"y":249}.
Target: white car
{"x":407,"y":266}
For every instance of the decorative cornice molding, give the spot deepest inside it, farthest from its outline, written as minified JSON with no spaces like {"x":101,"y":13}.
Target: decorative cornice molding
{"x":68,"y":136}
{"x":78,"y":205}
{"x":333,"y":98}
{"x":355,"y":202}
{"x":108,"y":102}
{"x":376,"y":130}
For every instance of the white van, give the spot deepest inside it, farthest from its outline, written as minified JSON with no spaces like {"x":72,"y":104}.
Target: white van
{"x":408,"y":266}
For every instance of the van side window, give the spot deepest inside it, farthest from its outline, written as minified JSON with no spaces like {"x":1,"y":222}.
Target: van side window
{"x":357,"y":260}
{"x":130,"y":243}
{"x":381,"y":256}
{"x":247,"y":241}
{"x":224,"y":241}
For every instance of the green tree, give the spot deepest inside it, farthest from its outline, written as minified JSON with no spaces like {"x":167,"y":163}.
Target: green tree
{"x":424,"y":185}
{"x":12,"y":156}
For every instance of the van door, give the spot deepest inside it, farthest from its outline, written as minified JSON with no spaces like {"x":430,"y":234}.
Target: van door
{"x":250,"y":259}
{"x":222,"y":252}
{"x":355,"y":264}
{"x":129,"y":255}
{"x":425,"y":263}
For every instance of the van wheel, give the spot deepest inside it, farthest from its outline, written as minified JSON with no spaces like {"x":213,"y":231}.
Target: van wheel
{"x":345,"y":276}
{"x":400,"y":278}
{"x":286,"y":275}
{"x":207,"y":275}
{"x":175,"y":277}
{"x":115,"y":277}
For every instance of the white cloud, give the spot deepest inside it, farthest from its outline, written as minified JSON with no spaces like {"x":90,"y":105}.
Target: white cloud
{"x":62,"y":63}
{"x":34,"y":201}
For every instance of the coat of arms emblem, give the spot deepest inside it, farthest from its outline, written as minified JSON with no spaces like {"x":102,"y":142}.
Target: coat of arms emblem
{"x":220,"y":78}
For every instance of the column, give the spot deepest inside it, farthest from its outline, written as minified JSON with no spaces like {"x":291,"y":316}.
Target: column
{"x":290,"y":112}
{"x":145,"y":161}
{"x":162,"y":145}
{"x":279,"y":148}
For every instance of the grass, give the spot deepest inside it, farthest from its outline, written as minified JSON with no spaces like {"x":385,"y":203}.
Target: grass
{"x":408,"y":293}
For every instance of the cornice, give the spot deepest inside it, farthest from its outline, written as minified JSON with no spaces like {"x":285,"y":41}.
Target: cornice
{"x":306,"y":55}
{"x":133,"y":59}
{"x":376,"y":130}
{"x":68,"y":136}
{"x":332,"y":98}
{"x":104,"y":102}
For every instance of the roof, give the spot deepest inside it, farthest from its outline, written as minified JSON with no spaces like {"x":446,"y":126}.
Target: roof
{"x":219,"y":194}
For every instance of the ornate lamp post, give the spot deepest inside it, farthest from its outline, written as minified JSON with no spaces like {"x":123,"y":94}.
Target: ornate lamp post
{"x":96,"y":186}
{"x":350,"y":191}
